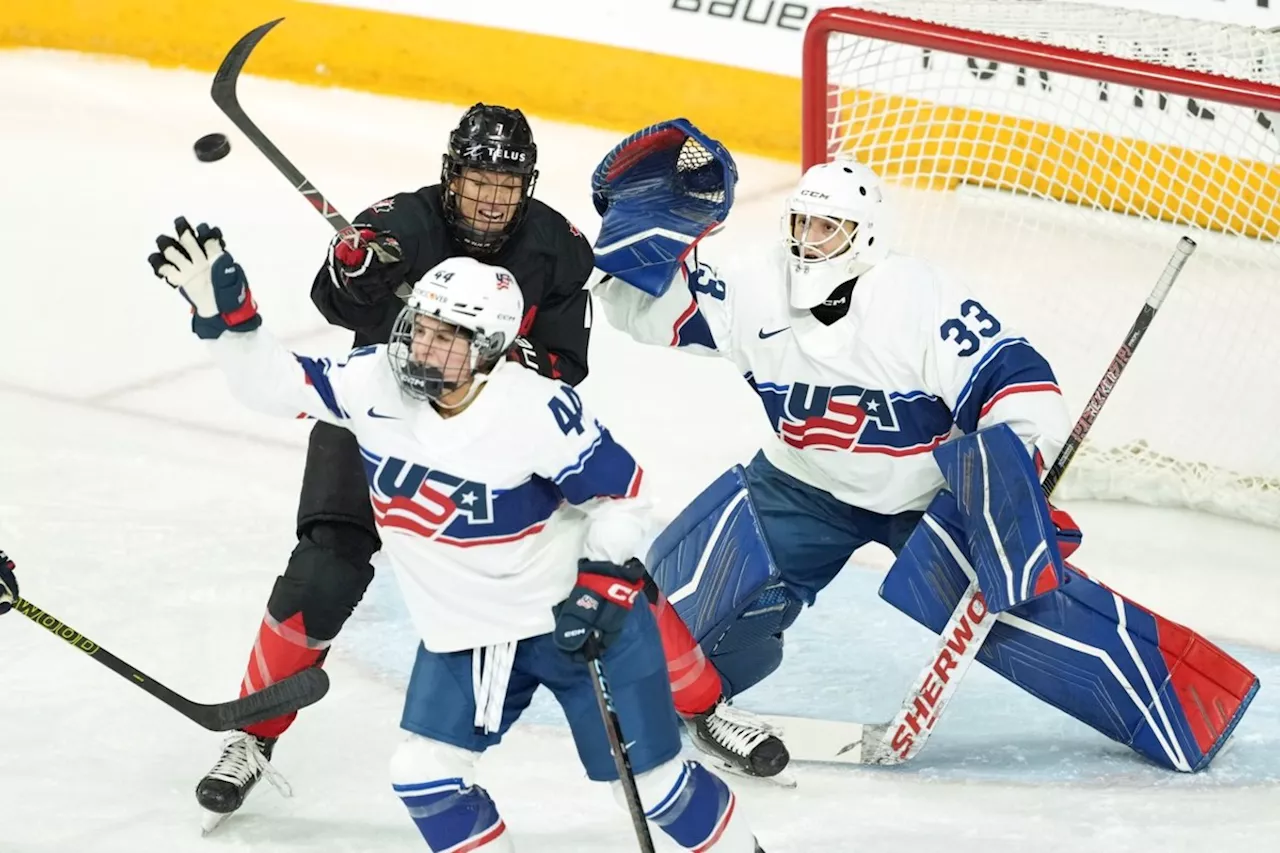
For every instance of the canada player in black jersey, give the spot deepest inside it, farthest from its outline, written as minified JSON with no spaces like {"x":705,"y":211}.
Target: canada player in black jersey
{"x":482,"y":207}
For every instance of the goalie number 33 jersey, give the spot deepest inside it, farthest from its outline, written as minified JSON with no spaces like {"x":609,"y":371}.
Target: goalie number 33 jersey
{"x":858,"y":406}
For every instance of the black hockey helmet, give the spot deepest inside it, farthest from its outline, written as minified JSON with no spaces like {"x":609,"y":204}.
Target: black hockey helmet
{"x":489,"y":139}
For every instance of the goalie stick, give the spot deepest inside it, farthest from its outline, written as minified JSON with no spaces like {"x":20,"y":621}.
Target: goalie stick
{"x":970,"y":623}
{"x":284,"y":697}
{"x":224,"y":95}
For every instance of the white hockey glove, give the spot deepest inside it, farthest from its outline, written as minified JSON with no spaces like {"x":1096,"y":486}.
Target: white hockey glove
{"x":197,"y":265}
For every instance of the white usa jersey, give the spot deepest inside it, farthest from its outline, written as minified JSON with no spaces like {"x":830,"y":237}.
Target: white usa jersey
{"x":483,"y":516}
{"x":859,"y":405}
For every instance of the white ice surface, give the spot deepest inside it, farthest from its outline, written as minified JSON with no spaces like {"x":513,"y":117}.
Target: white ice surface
{"x":148,"y":511}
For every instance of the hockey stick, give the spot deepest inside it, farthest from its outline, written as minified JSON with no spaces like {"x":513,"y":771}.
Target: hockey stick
{"x":224,"y":95}
{"x":621,"y":760}
{"x":284,"y":697}
{"x":902,"y":738}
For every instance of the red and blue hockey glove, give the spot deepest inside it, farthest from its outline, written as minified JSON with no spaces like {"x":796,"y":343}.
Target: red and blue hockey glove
{"x":598,"y":606}
{"x":369,"y":269}
{"x":197,"y":265}
{"x":8,"y":583}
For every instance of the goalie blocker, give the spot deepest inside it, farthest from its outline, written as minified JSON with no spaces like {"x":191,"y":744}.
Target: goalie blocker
{"x":1133,"y":675}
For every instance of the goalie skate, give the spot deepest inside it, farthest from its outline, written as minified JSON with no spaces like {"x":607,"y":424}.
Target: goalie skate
{"x":245,"y":759}
{"x":741,"y":743}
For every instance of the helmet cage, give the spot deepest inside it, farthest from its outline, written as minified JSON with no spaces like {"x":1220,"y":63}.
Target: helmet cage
{"x":426,"y":370}
{"x":487,"y":142}
{"x":840,"y":197}
{"x":823,"y":238}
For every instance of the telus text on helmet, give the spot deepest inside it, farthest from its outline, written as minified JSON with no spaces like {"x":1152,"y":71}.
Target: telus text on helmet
{"x":495,"y":153}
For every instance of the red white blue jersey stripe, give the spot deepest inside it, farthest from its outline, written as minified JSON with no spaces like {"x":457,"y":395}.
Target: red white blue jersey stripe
{"x":858,"y":406}
{"x":483,"y":516}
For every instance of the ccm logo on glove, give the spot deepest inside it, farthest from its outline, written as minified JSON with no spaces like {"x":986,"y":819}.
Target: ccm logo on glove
{"x":598,"y":605}
{"x":622,"y":593}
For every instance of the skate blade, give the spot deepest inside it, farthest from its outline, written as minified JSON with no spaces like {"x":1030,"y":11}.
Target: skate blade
{"x":782,"y":779}
{"x":211,"y":821}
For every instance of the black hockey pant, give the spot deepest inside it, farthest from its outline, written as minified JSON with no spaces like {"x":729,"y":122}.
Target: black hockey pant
{"x":327,"y":573}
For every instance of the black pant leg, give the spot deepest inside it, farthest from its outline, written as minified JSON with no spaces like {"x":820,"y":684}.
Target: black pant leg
{"x":334,"y":486}
{"x":329,"y":569}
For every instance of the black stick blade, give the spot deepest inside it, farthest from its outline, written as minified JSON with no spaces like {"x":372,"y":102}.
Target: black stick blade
{"x":224,"y":82}
{"x":224,"y":95}
{"x":284,"y":697}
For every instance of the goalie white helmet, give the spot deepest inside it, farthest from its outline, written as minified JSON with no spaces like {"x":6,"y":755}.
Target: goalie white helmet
{"x":454,"y":330}
{"x":832,"y":228}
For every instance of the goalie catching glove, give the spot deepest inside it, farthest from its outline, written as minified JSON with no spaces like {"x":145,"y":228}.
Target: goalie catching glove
{"x":659,"y":192}
{"x":598,"y":605}
{"x":197,"y":265}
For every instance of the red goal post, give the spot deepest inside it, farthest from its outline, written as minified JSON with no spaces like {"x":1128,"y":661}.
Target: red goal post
{"x":817,"y":91}
{"x":1053,"y":153}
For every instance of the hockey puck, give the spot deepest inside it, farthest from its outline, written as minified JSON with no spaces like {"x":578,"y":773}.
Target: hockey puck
{"x":212,"y":147}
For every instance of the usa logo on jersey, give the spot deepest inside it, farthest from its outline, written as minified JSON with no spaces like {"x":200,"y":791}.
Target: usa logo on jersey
{"x":423,"y":500}
{"x":837,"y":427}
{"x":451,"y":510}
{"x":823,"y":418}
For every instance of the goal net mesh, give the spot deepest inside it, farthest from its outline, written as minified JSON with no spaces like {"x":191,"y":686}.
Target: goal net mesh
{"x":1058,"y":183}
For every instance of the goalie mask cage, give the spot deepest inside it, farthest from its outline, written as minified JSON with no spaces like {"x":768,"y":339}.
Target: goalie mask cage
{"x":1051,"y":154}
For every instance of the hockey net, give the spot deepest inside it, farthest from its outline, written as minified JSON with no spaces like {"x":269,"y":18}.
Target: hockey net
{"x":1051,"y":154}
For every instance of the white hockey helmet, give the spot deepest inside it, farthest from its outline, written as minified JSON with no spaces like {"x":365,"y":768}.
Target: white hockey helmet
{"x":830,"y":229}
{"x":475,"y":312}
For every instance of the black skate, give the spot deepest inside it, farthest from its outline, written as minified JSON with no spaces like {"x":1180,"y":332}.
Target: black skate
{"x":740,"y":741}
{"x":245,"y":759}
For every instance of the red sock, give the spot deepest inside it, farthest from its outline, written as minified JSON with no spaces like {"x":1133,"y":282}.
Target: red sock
{"x":281,"y":650}
{"x":695,"y":684}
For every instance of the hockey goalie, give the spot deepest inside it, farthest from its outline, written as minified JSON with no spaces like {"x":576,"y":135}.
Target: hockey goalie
{"x":906,"y":413}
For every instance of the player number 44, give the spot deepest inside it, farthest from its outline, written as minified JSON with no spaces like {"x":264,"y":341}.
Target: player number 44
{"x":567,"y":410}
{"x":958,"y":328}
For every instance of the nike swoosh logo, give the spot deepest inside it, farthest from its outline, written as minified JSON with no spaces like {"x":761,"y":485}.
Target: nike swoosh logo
{"x":764,"y":335}
{"x":374,"y":414}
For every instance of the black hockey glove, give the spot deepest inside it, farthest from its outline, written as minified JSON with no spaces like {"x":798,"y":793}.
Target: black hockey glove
{"x":534,"y":356}
{"x":369,"y":271}
{"x":598,"y":607}
{"x":8,"y":583}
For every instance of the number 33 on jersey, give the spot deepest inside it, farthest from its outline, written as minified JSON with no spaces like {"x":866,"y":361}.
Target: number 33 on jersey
{"x":858,"y":405}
